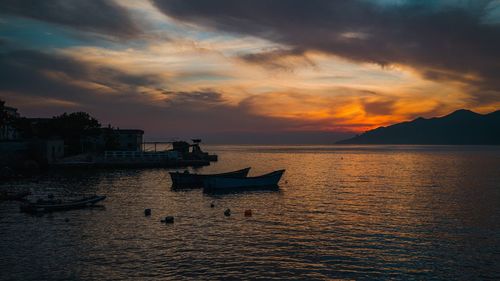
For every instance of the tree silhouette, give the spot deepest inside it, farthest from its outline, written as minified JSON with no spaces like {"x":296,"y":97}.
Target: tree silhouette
{"x":4,"y":116}
{"x":72,"y":128}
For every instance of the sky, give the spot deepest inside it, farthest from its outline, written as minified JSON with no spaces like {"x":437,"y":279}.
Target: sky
{"x":277,"y":71}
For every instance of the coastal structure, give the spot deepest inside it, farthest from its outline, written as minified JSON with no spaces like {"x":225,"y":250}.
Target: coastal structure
{"x":78,"y":140}
{"x":177,"y":156}
{"x":181,"y":154}
{"x":111,"y":139}
{"x":49,"y":150}
{"x":7,"y":130}
{"x":42,"y":152}
{"x":192,"y":151}
{"x":129,"y":139}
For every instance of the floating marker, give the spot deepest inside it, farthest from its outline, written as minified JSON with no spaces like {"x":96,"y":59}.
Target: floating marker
{"x":168,"y":219}
{"x":227,"y":212}
{"x":248,"y":213}
{"x":147,"y":212}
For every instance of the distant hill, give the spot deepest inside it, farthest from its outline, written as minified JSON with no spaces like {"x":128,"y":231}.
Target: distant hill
{"x":462,"y":127}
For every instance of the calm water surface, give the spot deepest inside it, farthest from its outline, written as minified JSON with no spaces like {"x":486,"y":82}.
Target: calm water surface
{"x":361,"y":212}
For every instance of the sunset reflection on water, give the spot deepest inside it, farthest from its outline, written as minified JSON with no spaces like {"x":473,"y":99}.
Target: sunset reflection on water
{"x":405,"y":212}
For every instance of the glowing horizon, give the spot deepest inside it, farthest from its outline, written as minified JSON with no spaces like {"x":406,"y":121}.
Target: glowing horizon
{"x":190,"y":68}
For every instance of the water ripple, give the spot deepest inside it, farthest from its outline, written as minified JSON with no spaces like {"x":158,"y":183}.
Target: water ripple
{"x":405,"y":212}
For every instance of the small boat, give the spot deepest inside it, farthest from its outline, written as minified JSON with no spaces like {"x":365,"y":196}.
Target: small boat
{"x":186,"y":179}
{"x":14,"y":196}
{"x":215,"y":184}
{"x":59,"y":205}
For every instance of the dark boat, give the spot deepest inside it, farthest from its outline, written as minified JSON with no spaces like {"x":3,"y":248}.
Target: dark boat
{"x":59,"y":205}
{"x":5,"y":195}
{"x":187,"y":180}
{"x":216,"y":184}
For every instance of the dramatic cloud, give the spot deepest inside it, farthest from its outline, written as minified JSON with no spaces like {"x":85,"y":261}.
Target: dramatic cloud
{"x":62,"y":83}
{"x":279,"y":59}
{"x":100,"y":16}
{"x":379,"y":107}
{"x":195,"y":101}
{"x":276,"y":69}
{"x":443,"y":41}
{"x":208,"y":113}
{"x":65,"y":79}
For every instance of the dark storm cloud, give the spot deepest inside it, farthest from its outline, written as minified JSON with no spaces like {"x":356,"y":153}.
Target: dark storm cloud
{"x":450,"y":38}
{"x":100,"y":16}
{"x":39,"y":74}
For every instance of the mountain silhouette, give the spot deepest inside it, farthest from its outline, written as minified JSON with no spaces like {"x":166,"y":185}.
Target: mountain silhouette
{"x":462,"y":127}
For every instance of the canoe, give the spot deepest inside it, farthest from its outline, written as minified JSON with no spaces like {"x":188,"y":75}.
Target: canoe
{"x":186,"y":179}
{"x":59,"y":205}
{"x":228,"y":184}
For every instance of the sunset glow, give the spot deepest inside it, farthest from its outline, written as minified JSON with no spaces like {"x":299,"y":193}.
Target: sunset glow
{"x":178,"y":69}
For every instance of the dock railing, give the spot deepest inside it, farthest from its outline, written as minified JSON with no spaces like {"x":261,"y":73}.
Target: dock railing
{"x":142,"y":155}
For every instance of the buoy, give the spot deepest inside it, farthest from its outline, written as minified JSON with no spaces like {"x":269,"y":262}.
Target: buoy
{"x":248,"y":213}
{"x":168,"y":219}
{"x":227,"y":212}
{"x":147,"y":212}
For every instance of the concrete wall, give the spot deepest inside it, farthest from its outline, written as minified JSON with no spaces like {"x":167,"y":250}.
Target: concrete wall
{"x":13,"y":153}
{"x":8,"y":133}
{"x":51,"y":150}
{"x":142,"y":156}
{"x":130,"y":141}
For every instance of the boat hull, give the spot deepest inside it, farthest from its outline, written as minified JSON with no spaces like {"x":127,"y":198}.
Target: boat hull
{"x":19,"y":196}
{"x":270,"y":180}
{"x":52,"y":207}
{"x":188,"y":180}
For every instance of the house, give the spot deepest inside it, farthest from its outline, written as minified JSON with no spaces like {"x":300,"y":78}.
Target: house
{"x":111,"y":139}
{"x":42,"y":151}
{"x":129,"y":139}
{"x":7,"y":131}
{"x":49,"y":151}
{"x":13,"y":153}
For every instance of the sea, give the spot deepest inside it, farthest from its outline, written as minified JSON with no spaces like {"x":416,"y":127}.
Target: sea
{"x":341,"y":212}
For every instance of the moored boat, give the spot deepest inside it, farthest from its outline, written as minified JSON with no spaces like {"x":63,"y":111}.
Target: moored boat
{"x":186,"y":179}
{"x":215,"y":184}
{"x":19,"y":196}
{"x":59,"y":205}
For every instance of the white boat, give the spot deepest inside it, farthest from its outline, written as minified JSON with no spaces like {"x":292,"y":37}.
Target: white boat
{"x":215,"y":184}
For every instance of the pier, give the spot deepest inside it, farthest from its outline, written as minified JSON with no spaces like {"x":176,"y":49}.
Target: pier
{"x":175,"y":154}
